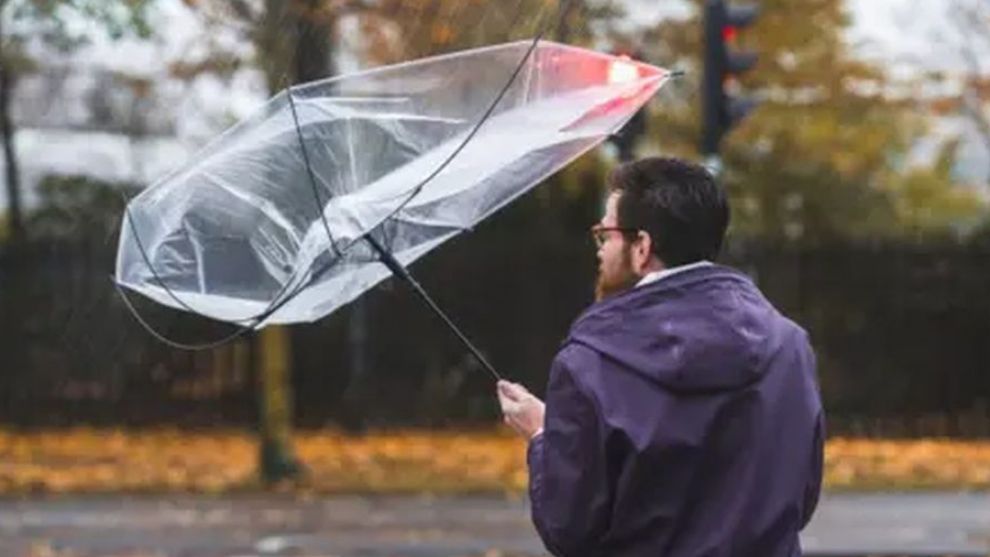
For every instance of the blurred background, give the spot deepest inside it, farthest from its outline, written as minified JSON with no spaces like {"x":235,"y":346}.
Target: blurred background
{"x":855,"y":148}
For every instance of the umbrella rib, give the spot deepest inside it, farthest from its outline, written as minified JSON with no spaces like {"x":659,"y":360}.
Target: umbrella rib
{"x":241,"y":331}
{"x":309,"y":170}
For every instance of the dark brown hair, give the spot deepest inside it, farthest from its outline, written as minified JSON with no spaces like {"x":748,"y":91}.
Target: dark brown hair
{"x":678,"y":203}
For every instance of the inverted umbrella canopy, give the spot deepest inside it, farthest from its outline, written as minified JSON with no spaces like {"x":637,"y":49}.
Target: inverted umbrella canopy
{"x":268,"y":219}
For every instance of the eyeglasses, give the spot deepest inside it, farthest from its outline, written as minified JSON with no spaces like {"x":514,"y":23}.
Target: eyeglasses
{"x":600,"y":233}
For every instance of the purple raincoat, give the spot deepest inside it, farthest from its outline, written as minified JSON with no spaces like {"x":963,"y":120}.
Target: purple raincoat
{"x":683,"y":420}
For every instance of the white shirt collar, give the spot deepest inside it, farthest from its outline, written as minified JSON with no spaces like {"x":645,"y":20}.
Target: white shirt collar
{"x":666,"y":273}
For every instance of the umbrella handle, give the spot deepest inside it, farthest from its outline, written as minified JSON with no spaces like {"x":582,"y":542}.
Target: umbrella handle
{"x":400,"y":271}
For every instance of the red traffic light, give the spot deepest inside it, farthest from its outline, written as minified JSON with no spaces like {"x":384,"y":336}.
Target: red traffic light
{"x":729,"y":33}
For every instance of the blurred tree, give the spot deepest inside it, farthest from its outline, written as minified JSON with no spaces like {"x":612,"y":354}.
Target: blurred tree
{"x":399,"y":30}
{"x":969,"y":38}
{"x":297,"y":37}
{"x":30,"y":29}
{"x":826,"y":155}
{"x":294,"y":42}
{"x":965,"y":91}
{"x":923,"y":204}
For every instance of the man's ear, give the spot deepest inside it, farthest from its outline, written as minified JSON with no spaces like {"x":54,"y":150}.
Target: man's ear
{"x":643,"y":249}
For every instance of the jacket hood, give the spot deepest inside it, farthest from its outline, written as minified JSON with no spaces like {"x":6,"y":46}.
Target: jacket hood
{"x":704,"y":329}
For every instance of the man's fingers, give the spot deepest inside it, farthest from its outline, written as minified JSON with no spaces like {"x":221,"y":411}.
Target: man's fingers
{"x":506,"y":400}
{"x":516,"y":403}
{"x":506,"y":387}
{"x":512,"y":391}
{"x":508,"y":404}
{"x":507,"y":391}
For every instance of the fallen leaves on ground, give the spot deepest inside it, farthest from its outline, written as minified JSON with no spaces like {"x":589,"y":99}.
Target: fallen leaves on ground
{"x":920,"y":464}
{"x":109,"y":461}
{"x":118,"y":461}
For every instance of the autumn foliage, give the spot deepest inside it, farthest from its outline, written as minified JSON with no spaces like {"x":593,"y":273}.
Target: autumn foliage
{"x":115,"y":461}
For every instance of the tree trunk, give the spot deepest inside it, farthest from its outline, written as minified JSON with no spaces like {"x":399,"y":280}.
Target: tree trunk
{"x":315,"y":33}
{"x":15,"y":223}
{"x":313,"y":62}
{"x":277,"y":458}
{"x":310,"y":60}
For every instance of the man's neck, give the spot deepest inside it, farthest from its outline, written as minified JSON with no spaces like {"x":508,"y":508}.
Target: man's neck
{"x":654,"y":266}
{"x":665,"y":272}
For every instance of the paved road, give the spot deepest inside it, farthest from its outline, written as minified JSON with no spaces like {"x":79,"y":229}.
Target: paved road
{"x":185,"y":526}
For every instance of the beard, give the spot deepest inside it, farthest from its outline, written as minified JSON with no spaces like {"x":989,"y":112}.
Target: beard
{"x":613,"y":281}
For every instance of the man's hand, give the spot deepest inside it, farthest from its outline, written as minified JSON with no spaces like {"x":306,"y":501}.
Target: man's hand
{"x":521,"y":410}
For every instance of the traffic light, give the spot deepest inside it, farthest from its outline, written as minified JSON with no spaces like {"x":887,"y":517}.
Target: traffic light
{"x":720,"y":110}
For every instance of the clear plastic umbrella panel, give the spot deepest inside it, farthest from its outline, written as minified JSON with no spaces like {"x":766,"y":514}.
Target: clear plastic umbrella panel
{"x":278,"y":219}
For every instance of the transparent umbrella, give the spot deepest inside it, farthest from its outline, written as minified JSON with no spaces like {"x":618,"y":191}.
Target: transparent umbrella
{"x":291,"y":213}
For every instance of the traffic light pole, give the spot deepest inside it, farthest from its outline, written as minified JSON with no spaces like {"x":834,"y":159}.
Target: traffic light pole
{"x":721,"y":111}
{"x":712,"y":95}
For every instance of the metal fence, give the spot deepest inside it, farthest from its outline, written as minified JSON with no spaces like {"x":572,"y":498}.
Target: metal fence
{"x":900,"y":331}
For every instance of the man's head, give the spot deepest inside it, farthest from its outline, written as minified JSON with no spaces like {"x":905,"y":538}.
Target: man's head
{"x":660,"y":213}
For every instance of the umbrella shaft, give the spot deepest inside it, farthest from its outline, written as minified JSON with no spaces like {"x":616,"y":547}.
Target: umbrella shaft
{"x":400,"y":271}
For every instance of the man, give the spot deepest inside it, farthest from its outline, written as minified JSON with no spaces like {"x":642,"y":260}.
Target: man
{"x":682,"y":416}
